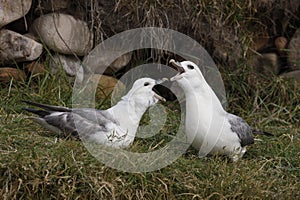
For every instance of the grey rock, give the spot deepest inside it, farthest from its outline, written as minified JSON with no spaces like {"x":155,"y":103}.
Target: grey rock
{"x":64,"y":34}
{"x":17,"y":48}
{"x":99,"y":62}
{"x":70,"y":64}
{"x":13,"y":10}
{"x":119,"y":63}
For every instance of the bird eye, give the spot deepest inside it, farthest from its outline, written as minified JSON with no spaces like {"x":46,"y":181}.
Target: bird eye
{"x":146,"y":84}
{"x":190,"y":66}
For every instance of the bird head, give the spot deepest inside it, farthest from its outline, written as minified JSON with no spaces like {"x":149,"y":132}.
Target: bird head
{"x":142,"y":92}
{"x":187,"y":71}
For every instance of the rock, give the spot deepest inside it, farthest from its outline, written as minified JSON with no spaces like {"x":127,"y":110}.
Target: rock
{"x":294,"y":75}
{"x":70,"y":64}
{"x":281,"y":43}
{"x":265,"y":63}
{"x":36,"y":68}
{"x":119,"y":63}
{"x":64,"y":34}
{"x":294,"y":51}
{"x":13,"y":10}
{"x":106,"y":86}
{"x":98,"y":86}
{"x":7,"y":73}
{"x":17,"y":48}
{"x":31,"y":36}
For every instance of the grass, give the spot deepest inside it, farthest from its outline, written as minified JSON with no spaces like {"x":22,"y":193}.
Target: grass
{"x":37,"y":165}
{"x":34,"y":164}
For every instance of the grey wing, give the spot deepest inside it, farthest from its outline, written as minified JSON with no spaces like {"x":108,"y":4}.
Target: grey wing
{"x":65,"y":121}
{"x":57,"y":118}
{"x":241,"y":128}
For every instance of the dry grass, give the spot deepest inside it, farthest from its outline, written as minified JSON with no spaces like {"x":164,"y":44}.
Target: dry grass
{"x":225,"y":28}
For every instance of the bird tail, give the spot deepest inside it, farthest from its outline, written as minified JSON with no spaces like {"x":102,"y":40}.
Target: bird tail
{"x":48,"y":107}
{"x":260,"y":132}
{"x":40,"y":113}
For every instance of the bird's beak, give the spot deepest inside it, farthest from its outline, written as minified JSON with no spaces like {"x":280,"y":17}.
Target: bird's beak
{"x":178,"y":68}
{"x":160,"y":81}
{"x":159,"y":97}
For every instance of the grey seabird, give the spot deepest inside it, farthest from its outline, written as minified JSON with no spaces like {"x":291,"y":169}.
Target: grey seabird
{"x":209,"y":128}
{"x":115,"y":126}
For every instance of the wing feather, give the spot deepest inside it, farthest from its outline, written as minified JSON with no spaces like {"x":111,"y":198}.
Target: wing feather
{"x":242,"y":129}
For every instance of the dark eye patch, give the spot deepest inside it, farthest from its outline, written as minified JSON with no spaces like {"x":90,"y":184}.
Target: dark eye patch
{"x":146,"y":84}
{"x":190,"y":66}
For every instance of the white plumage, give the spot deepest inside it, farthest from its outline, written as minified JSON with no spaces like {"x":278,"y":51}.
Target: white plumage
{"x":115,"y":126}
{"x":209,"y":128}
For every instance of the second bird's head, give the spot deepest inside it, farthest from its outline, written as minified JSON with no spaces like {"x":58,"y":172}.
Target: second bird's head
{"x":188,"y":73}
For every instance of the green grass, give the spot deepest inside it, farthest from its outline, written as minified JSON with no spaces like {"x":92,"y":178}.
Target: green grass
{"x":34,"y":164}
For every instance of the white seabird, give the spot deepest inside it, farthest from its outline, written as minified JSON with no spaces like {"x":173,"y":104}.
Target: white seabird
{"x":115,"y":126}
{"x":209,"y":128}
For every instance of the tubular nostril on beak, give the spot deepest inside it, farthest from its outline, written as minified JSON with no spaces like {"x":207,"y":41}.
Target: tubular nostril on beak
{"x":160,"y":81}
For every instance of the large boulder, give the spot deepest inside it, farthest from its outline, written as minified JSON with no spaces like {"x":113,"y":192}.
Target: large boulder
{"x":64,"y":34}
{"x":70,"y":64}
{"x":17,"y":48}
{"x":13,"y":10}
{"x":119,"y":63}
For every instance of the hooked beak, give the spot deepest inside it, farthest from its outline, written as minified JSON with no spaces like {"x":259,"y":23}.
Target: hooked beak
{"x":178,"y":68}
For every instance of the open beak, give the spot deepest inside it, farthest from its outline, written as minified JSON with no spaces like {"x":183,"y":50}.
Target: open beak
{"x":178,"y":68}
{"x":160,"y":81}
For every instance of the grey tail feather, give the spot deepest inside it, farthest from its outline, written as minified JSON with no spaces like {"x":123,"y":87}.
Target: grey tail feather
{"x":48,"y":107}
{"x":260,"y":132}
{"x":41,"y":113}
